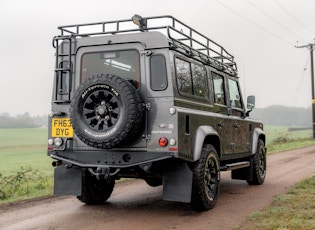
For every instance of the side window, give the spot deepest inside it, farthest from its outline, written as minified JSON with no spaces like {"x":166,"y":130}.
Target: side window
{"x":218,"y":84}
{"x":192,"y":79}
{"x":184,"y":82}
{"x":234,"y":93}
{"x":158,"y":74}
{"x":200,"y":81}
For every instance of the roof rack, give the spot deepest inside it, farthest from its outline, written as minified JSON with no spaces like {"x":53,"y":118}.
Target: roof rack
{"x":182,"y":37}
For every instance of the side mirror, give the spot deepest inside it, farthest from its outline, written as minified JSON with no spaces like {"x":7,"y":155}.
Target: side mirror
{"x":250,"y":102}
{"x":250,"y":105}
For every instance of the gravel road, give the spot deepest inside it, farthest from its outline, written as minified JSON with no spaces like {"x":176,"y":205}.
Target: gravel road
{"x":135,"y":205}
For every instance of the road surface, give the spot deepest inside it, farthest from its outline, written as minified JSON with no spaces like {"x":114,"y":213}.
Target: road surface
{"x":135,"y":205}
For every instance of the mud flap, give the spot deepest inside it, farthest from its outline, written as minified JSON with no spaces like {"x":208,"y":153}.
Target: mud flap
{"x":67,"y":181}
{"x":177,"y":184}
{"x":244,"y":173}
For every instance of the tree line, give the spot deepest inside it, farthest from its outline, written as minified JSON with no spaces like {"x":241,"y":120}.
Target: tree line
{"x":22,"y":121}
{"x":283,"y":116}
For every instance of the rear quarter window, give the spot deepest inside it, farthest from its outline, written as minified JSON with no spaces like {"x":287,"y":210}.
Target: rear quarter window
{"x":158,"y":74}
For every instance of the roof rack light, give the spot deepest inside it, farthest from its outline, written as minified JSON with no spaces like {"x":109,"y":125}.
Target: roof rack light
{"x":139,"y":21}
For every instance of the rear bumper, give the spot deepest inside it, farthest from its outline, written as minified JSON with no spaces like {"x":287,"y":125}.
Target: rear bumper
{"x":110,"y":159}
{"x":177,"y":177}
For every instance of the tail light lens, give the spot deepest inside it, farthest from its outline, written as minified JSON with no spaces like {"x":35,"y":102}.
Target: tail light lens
{"x":163,"y":142}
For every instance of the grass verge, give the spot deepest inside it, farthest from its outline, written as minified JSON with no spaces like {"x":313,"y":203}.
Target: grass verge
{"x":294,"y":210}
{"x":25,"y":168}
{"x":280,"y":138}
{"x":26,"y":183}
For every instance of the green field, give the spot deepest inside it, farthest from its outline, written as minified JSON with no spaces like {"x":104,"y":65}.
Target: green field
{"x":24,"y":148}
{"x":280,"y":138}
{"x":274,"y":132}
{"x":25,"y":168}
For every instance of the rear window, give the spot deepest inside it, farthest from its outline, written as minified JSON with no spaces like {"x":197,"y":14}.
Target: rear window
{"x":124,"y":64}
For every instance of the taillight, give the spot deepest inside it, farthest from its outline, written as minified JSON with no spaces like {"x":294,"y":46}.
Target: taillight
{"x":163,"y":142}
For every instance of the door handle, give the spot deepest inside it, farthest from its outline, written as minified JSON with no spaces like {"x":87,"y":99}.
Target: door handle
{"x":220,"y":125}
{"x":236,"y":126}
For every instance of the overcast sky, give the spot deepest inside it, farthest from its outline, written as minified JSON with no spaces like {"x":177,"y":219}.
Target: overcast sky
{"x":260,"y":34}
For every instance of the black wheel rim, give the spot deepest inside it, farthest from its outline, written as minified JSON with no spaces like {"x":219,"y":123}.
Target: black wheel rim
{"x":211,"y":178}
{"x":101,"y":110}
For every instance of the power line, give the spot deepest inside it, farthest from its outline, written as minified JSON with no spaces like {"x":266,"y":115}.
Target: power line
{"x":271,"y":18}
{"x":298,"y":21}
{"x":255,"y":24}
{"x":301,"y":81}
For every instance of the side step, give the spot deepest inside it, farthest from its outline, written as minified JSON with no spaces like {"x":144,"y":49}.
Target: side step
{"x":236,"y":165}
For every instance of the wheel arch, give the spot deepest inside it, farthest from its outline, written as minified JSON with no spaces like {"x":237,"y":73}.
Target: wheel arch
{"x":205,"y":135}
{"x":258,"y":134}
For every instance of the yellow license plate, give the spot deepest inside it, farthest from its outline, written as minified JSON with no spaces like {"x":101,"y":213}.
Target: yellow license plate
{"x":61,"y":127}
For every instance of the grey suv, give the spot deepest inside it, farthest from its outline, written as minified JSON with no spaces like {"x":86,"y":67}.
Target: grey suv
{"x":154,"y":99}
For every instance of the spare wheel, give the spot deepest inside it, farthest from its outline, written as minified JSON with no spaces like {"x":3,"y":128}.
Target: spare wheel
{"x":106,"y":110}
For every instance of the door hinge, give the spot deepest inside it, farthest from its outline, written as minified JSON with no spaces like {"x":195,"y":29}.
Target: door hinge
{"x":146,"y":52}
{"x":146,"y":137}
{"x":147,"y":106}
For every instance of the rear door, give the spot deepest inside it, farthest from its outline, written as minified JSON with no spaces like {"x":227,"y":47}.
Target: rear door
{"x":224,"y":122}
{"x":240,"y":127}
{"x":123,"y":60}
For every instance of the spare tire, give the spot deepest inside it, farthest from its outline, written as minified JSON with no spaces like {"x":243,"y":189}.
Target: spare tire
{"x":106,"y":110}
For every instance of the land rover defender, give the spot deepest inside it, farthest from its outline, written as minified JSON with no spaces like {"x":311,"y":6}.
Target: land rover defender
{"x":149,"y":98}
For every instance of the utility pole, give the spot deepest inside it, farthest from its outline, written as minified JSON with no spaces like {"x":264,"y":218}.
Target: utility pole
{"x":311,"y":48}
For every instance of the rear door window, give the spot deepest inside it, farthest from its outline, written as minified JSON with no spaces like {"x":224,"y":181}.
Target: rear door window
{"x":234,"y":93}
{"x":219,"y":92}
{"x":124,"y":64}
